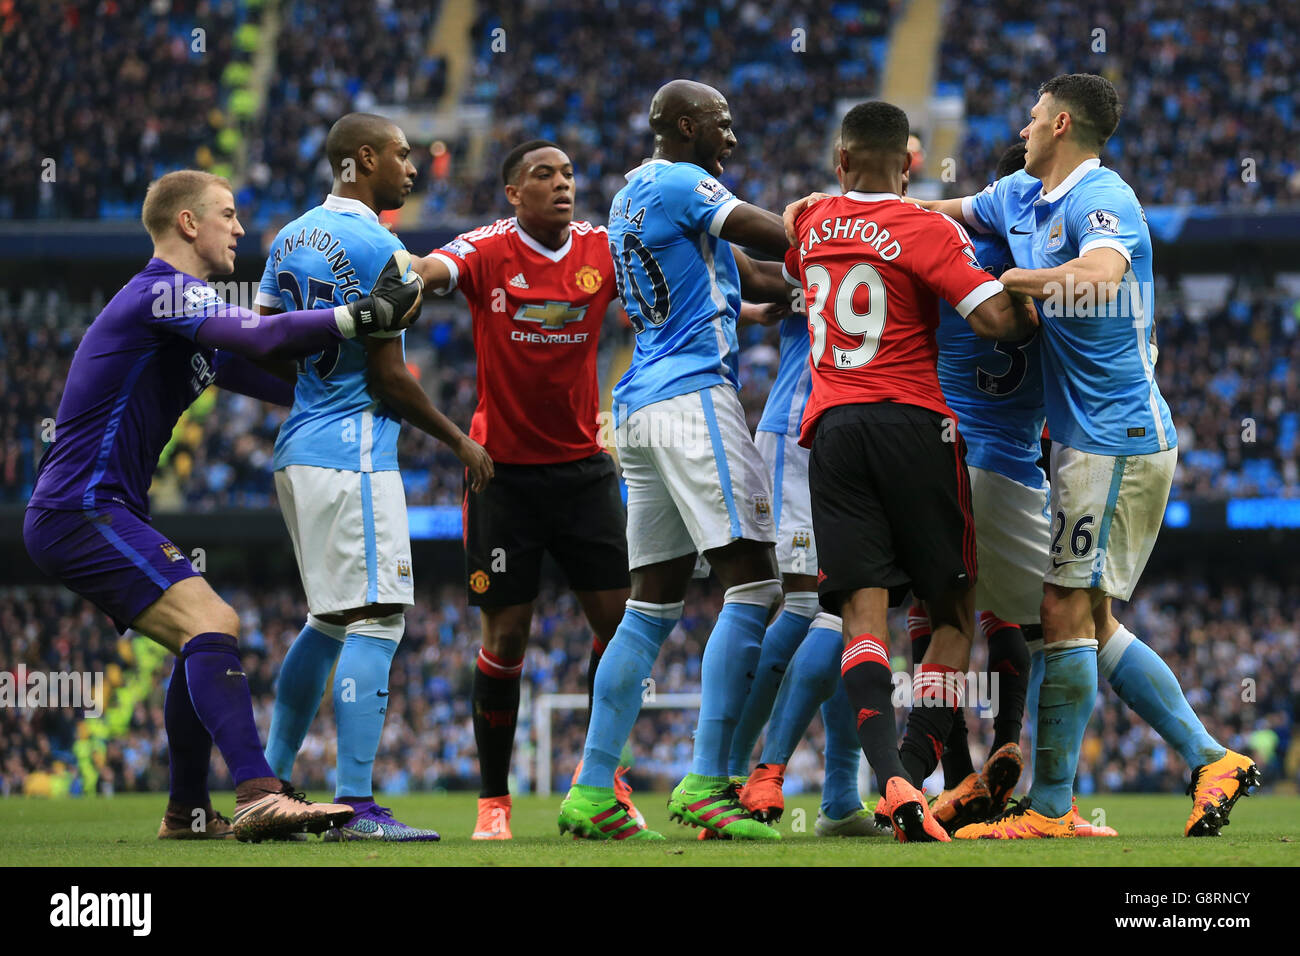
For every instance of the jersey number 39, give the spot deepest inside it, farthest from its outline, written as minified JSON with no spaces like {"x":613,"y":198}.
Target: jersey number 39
{"x":869,"y":324}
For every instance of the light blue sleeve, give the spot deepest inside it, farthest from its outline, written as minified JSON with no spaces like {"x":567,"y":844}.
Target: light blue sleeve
{"x":268,"y":290}
{"x":692,"y":198}
{"x":1106,"y":215}
{"x":985,"y":210}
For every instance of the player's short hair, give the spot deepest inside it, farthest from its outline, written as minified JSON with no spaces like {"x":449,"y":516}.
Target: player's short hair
{"x":169,"y":194}
{"x":1092,"y":103}
{"x":1012,"y":159}
{"x":349,"y":133}
{"x":510,"y":168}
{"x":875,"y":125}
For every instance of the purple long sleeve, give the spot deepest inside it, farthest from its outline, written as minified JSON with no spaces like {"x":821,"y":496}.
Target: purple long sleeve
{"x":238,"y":374}
{"x":286,"y":335}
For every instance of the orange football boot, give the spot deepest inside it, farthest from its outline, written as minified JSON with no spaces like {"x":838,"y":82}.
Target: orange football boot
{"x":968,"y":802}
{"x":906,"y":809}
{"x":763,"y":795}
{"x":1082,"y":828}
{"x":493,"y":819}
{"x":1019,"y":822}
{"x":1001,"y":773}
{"x":1215,"y":787}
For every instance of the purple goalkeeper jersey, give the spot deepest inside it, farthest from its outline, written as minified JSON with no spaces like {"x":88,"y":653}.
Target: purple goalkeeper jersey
{"x":138,"y":367}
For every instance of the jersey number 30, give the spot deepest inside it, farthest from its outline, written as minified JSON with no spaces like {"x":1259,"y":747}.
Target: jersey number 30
{"x":640,"y":308}
{"x":869,"y":324}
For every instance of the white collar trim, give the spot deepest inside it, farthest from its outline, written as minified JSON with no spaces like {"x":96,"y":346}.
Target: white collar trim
{"x":555,"y":255}
{"x":870,"y":197}
{"x":1070,"y":181}
{"x":645,"y":165}
{"x":342,"y":204}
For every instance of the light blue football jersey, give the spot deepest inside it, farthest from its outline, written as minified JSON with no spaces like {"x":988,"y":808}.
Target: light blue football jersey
{"x":678,"y":281}
{"x":327,"y":257}
{"x":783,"y":413}
{"x":996,"y":388}
{"x":1099,"y":380}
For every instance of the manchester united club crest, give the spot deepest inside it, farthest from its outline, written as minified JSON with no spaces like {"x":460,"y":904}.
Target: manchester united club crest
{"x":478,"y":582}
{"x":589,"y":279}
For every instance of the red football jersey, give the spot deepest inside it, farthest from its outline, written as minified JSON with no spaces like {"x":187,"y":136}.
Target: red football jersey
{"x":873,"y":268}
{"x":537,"y":315}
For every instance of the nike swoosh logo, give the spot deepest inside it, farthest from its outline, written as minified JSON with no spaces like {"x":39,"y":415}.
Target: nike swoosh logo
{"x":382,"y":693}
{"x":1059,"y":564}
{"x":1017,"y":232}
{"x":230,"y":673}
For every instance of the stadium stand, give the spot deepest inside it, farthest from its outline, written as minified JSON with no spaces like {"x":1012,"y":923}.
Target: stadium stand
{"x":1202,"y":78}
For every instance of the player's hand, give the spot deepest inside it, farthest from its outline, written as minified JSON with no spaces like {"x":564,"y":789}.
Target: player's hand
{"x":792,"y":213}
{"x":393,"y":304}
{"x":1025,"y":308}
{"x":477,"y":460}
{"x":770,"y":313}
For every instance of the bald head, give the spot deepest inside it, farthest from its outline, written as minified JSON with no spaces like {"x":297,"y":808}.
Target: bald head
{"x":692,"y":124}
{"x":349,"y":134}
{"x":682,"y":98}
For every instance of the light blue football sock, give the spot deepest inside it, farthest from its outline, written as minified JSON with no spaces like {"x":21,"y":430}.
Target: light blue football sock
{"x":1146,"y":684}
{"x":840,"y":796}
{"x":1036,"y":665}
{"x":360,"y":703}
{"x":298,"y":691}
{"x":620,"y":683}
{"x":727,"y":670}
{"x":812,"y":678}
{"x":1065,"y":703}
{"x":780,"y":642}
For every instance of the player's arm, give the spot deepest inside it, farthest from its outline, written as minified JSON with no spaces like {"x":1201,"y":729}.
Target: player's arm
{"x":435,"y":271}
{"x":1092,"y":279}
{"x":949,"y":207}
{"x":760,"y":280}
{"x":763,"y":313}
{"x":391,"y":382}
{"x":1006,"y":316}
{"x":267,"y":381}
{"x":748,"y":225}
{"x":392,"y":305}
{"x":945,"y":261}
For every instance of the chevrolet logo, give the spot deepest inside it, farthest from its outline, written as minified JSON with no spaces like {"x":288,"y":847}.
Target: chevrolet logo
{"x":552,"y":315}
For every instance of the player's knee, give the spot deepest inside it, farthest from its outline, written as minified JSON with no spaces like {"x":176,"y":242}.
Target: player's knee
{"x":764,"y":594}
{"x":223,"y":619}
{"x":388,"y":628}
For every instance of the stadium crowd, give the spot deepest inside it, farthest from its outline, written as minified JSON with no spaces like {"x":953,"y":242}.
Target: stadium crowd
{"x":1239,"y":637}
{"x":1202,"y":80}
{"x":118,"y":109}
{"x":1230,"y":372}
{"x":133,"y":92}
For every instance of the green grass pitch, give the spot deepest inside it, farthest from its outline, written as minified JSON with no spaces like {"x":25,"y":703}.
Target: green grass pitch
{"x":1265,"y":831}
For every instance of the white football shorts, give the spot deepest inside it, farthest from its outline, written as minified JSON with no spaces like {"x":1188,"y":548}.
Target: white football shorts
{"x":1012,"y":535}
{"x":1106,"y":513}
{"x":349,"y":534}
{"x":787,"y":462}
{"x":695,"y":481}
